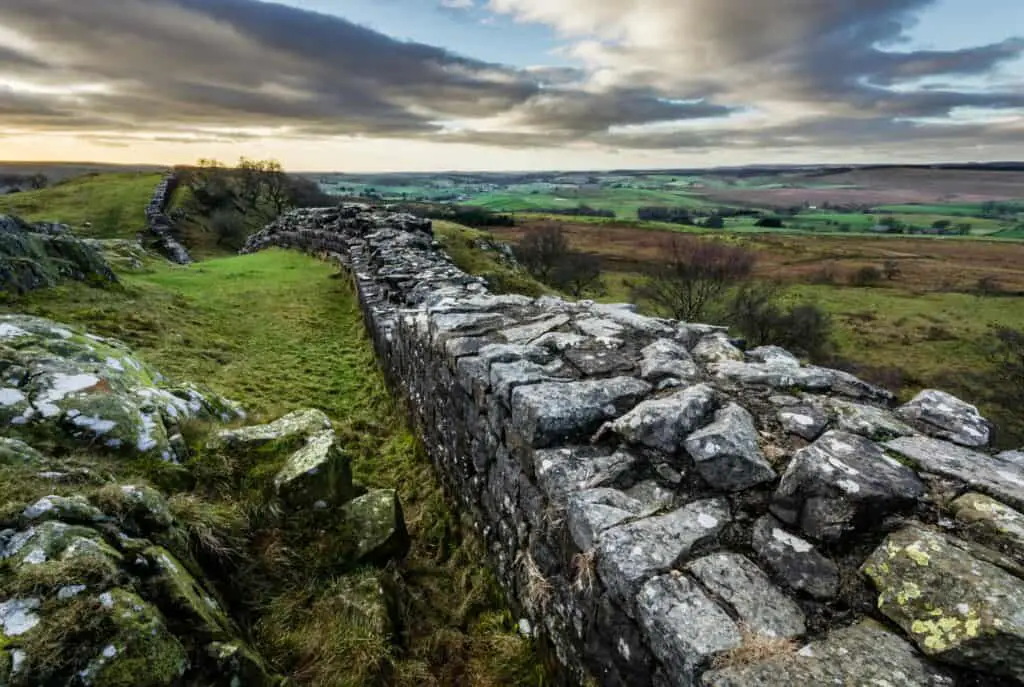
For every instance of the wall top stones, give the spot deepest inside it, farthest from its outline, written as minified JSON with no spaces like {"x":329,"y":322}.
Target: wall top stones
{"x":668,"y":509}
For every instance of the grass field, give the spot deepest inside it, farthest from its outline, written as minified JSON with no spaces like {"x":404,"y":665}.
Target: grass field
{"x":278,"y":331}
{"x":623,"y":202}
{"x":113,"y":203}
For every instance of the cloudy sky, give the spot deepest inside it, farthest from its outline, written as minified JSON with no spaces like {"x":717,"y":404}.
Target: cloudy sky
{"x":358,"y":85}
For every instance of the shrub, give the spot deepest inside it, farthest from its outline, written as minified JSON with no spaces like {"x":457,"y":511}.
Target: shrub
{"x":988,"y":286}
{"x":866,"y":276}
{"x":542,"y":250}
{"x":757,"y":313}
{"x":697,"y":275}
{"x":891,"y":270}
{"x":230,"y":229}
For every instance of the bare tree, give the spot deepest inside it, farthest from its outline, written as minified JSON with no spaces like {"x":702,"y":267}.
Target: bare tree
{"x":542,"y":251}
{"x":578,"y":274}
{"x":696,"y":274}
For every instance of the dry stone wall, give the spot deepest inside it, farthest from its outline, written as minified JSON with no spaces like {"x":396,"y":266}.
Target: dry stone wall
{"x":667,"y":509}
{"x":158,"y":225}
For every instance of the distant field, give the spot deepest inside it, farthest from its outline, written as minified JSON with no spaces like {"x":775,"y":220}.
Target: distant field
{"x":624,"y":202}
{"x":114,"y":204}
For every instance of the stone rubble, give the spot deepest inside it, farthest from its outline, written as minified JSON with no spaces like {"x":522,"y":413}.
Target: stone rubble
{"x":658,"y":501}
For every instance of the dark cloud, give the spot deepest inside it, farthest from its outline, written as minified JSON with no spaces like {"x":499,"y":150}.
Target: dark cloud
{"x":248,"y":63}
{"x":580,"y":113}
{"x":186,"y":68}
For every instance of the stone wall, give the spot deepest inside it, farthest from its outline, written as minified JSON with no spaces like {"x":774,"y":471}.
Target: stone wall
{"x":667,"y":509}
{"x":158,"y":225}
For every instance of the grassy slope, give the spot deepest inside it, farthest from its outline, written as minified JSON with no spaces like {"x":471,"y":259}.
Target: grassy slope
{"x":114,"y":203}
{"x":277,"y":333}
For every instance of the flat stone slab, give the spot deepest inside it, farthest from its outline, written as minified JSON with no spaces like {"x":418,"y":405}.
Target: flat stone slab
{"x":761,"y":607}
{"x":560,"y":412}
{"x":842,"y":483}
{"x":998,"y":478}
{"x":684,"y":627}
{"x":726,"y":453}
{"x":795,"y":560}
{"x":992,"y":522}
{"x":956,"y":607}
{"x":862,"y":654}
{"x":631,"y":553}
{"x":945,"y":416}
{"x":664,"y":423}
{"x":300,"y":423}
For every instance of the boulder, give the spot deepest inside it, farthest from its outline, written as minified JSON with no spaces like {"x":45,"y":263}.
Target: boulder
{"x":806,"y":421}
{"x":840,"y":484}
{"x":992,"y":522}
{"x":794,"y":560}
{"x":666,"y":359}
{"x":664,"y":423}
{"x":630,"y":553}
{"x":320,"y":471}
{"x":945,"y":416}
{"x":561,"y":412}
{"x":862,"y":654}
{"x":74,"y":388}
{"x":760,"y":606}
{"x":684,"y":627}
{"x":867,"y":421}
{"x":590,"y":513}
{"x":376,"y":526}
{"x":716,"y":349}
{"x":990,"y":475}
{"x":562,"y":471}
{"x":726,"y":452}
{"x":956,"y":607}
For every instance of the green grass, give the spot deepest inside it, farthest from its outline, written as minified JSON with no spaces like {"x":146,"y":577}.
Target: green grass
{"x":624,"y":202}
{"x":280,"y":331}
{"x":462,"y":245}
{"x":113,"y":203}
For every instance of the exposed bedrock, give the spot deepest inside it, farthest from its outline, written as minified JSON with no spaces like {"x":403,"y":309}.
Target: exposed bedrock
{"x":668,"y":509}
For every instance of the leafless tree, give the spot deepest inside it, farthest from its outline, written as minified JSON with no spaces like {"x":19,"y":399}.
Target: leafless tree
{"x":696,"y":274}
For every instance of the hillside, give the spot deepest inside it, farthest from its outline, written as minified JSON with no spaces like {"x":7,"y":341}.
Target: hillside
{"x":112,"y":204}
{"x":276,"y":332}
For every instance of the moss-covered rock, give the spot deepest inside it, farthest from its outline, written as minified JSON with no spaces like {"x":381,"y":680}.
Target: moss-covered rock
{"x":376,"y":525}
{"x":67,"y":388}
{"x":993,"y":522}
{"x":955,"y":606}
{"x":37,"y":257}
{"x":17,"y":452}
{"x":319,"y":473}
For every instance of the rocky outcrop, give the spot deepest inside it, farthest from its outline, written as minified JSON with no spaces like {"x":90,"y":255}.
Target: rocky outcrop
{"x":159,"y":227}
{"x":119,"y":553}
{"x":668,"y":509}
{"x":34,"y":256}
{"x":62,"y":387}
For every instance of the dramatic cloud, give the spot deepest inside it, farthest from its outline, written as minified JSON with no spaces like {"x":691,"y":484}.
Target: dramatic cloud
{"x":696,"y":75}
